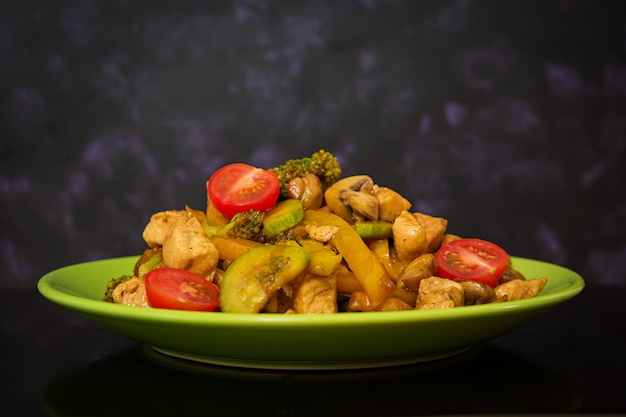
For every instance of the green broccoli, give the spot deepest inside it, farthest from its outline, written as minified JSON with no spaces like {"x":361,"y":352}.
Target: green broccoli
{"x":112,"y":284}
{"x":322,"y":163}
{"x":246,"y":225}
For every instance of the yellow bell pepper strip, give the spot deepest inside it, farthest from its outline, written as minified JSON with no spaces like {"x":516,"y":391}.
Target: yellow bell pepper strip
{"x":231,"y":248}
{"x":362,"y":261}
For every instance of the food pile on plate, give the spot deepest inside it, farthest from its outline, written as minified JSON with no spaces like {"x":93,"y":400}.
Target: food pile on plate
{"x":300,"y":238}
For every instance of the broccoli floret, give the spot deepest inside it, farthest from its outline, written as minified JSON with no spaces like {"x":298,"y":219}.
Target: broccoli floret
{"x":322,"y":163}
{"x":246,"y":225}
{"x":111,"y":285}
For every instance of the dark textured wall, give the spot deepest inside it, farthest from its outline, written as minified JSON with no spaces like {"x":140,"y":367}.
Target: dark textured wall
{"x":506,"y":117}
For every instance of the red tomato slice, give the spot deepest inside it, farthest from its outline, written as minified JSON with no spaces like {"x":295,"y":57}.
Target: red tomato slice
{"x":178,"y":289}
{"x":237,"y":188}
{"x":471,"y":259}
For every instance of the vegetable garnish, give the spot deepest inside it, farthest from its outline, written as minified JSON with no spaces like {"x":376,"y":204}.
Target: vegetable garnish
{"x":471,"y":259}
{"x":178,"y":289}
{"x":237,"y":188}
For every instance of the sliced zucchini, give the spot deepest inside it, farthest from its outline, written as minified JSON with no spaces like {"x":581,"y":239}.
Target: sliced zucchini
{"x":254,"y":277}
{"x":283,"y":216}
{"x":374,"y":229}
{"x":150,"y":259}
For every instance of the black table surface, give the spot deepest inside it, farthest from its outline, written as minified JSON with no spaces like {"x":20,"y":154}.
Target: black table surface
{"x":572,"y":360}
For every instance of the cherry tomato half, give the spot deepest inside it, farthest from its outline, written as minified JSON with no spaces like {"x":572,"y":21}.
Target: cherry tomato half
{"x":178,"y":289}
{"x":471,"y":259}
{"x":237,"y":188}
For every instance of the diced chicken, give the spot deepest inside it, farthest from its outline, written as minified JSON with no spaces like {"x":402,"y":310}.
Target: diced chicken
{"x":518,"y":289}
{"x":316,"y":295}
{"x":198,"y":214}
{"x":434,"y":227}
{"x":186,"y":246}
{"x":435,"y":292}
{"x":321,"y":233}
{"x":159,"y":225}
{"x":409,"y":237}
{"x":131,"y":293}
{"x":391,"y":203}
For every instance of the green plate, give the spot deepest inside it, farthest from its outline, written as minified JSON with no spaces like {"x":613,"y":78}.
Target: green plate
{"x":276,"y":341}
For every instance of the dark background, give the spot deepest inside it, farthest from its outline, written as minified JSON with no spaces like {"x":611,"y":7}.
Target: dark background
{"x":506,"y":117}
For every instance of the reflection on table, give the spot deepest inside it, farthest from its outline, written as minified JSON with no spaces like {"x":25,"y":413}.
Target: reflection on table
{"x":139,"y":380}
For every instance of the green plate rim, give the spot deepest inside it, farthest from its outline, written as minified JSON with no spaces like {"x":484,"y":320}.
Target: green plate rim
{"x":61,"y":295}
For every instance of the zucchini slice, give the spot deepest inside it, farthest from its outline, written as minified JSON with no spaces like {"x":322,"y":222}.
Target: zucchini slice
{"x":283,"y":216}
{"x":377,"y":229}
{"x":253,"y":278}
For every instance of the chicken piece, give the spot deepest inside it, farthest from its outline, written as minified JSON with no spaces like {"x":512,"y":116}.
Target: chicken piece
{"x":186,"y":246}
{"x":391,"y":203}
{"x":321,"y":233}
{"x":449,"y":237}
{"x":435,"y":292}
{"x":434,"y":227}
{"x":307,"y":189}
{"x":131,"y":293}
{"x":198,"y":214}
{"x":159,"y":225}
{"x":519,"y":289}
{"x":409,"y":237}
{"x":316,"y":295}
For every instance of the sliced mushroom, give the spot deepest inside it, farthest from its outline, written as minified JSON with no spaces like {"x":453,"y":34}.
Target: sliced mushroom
{"x":281,"y":302}
{"x":307,"y":189}
{"x":352,"y":195}
{"x":510,"y":274}
{"x":418,"y":269}
{"x":364,"y":206}
{"x":402,"y":292}
{"x":477,"y":292}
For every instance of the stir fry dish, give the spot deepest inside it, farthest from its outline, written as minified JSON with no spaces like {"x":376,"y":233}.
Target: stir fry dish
{"x":302,"y":239}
